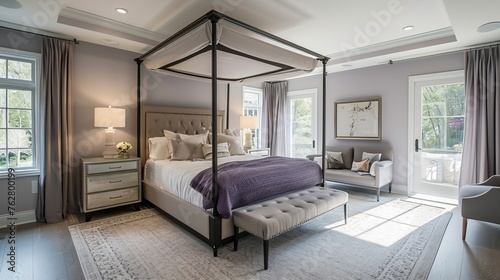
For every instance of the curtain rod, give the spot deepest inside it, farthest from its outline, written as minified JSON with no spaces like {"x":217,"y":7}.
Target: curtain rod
{"x":34,"y":31}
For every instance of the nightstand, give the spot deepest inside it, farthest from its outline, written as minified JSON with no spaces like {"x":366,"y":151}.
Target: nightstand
{"x":259,"y":152}
{"x":108,"y":183}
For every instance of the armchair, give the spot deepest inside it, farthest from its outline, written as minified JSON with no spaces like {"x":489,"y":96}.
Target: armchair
{"x":480,"y":202}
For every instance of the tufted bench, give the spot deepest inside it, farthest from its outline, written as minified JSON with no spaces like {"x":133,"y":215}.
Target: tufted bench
{"x":273,"y":217}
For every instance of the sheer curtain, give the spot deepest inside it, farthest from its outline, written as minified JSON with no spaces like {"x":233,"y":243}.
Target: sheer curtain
{"x":481,"y":149}
{"x":274,"y":117}
{"x":57,"y":190}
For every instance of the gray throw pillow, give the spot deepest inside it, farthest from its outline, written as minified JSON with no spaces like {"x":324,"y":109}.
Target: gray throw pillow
{"x":188,"y":149}
{"x":222,"y":150}
{"x":335,"y":160}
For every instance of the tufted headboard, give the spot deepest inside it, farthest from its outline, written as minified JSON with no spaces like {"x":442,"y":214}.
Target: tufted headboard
{"x":155,"y":119}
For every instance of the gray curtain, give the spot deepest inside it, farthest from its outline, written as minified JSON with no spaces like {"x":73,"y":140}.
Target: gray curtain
{"x":481,"y":149}
{"x":57,"y":191}
{"x":274,"y":117}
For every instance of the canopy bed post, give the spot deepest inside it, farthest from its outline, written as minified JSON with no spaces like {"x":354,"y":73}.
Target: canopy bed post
{"x":227,"y":106}
{"x":139,"y":62}
{"x":215,"y":219}
{"x":323,"y":141}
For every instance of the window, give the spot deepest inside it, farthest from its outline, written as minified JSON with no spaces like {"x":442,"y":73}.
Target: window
{"x":18,"y":111}
{"x":252,"y":106}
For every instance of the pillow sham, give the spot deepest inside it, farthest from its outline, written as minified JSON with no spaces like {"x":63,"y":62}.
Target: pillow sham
{"x":170,"y":135}
{"x":234,"y":143}
{"x":158,"y":148}
{"x":372,"y":157}
{"x":222,"y":150}
{"x":334,"y":160}
{"x":363,"y":166}
{"x":186,"y":149}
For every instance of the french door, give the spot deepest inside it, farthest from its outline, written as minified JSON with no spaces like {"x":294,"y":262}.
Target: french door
{"x":436,"y":126}
{"x":302,"y":123}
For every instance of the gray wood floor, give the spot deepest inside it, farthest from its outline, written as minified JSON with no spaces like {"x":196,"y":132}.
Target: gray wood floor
{"x":46,"y":251}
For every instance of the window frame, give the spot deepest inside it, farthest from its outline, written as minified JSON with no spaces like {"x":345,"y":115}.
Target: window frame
{"x":34,"y":87}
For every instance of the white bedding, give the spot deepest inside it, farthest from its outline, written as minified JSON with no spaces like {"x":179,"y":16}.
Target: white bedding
{"x":175,"y":176}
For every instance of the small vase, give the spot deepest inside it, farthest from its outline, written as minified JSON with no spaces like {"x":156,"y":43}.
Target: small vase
{"x":123,"y":154}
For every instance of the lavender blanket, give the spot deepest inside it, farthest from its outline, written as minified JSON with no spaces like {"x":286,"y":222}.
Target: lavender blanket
{"x":245,"y":182}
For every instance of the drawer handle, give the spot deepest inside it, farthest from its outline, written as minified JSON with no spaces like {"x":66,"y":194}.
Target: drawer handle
{"x":115,"y":167}
{"x":114,"y":197}
{"x":117,"y":181}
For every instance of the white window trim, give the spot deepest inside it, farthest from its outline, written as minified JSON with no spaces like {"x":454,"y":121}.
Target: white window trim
{"x":37,"y":135}
{"x":258,"y":91}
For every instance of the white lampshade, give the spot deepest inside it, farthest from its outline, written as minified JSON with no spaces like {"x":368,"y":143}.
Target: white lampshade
{"x":250,"y":122}
{"x":109,"y":117}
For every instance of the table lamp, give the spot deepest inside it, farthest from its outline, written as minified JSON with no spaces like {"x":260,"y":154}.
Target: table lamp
{"x":247,"y":123}
{"x":110,"y":118}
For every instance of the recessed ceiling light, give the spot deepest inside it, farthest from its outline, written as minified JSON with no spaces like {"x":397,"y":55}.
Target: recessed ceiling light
{"x":408,"y":27}
{"x":489,"y":26}
{"x":121,"y":10}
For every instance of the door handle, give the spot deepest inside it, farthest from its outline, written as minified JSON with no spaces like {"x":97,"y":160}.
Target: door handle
{"x":416,"y":146}
{"x":314,"y":144}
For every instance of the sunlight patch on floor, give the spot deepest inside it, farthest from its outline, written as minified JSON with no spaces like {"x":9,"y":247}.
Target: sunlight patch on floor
{"x":388,"y":223}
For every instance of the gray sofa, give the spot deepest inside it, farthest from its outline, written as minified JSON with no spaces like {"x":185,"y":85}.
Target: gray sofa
{"x":382,"y":169}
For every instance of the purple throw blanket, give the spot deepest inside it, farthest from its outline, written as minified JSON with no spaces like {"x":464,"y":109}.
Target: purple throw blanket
{"x":245,"y":182}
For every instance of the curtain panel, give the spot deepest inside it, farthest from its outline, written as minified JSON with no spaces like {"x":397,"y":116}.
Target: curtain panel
{"x":274,"y":117}
{"x":481,"y":148}
{"x":57,"y":191}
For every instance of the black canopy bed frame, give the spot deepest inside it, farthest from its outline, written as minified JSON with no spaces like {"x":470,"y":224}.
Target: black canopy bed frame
{"x":209,"y":226}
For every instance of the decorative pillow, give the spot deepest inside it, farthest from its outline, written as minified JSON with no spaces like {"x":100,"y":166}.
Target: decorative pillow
{"x":186,"y":149}
{"x":372,"y":157}
{"x":334,"y":160}
{"x":158,"y":148}
{"x":222,"y":150}
{"x":170,"y":135}
{"x":361,"y":165}
{"x":235,"y":132}
{"x":234,"y":143}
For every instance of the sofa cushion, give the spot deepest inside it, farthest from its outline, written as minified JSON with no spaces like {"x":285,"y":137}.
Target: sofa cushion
{"x":346,"y":154}
{"x":386,"y":152}
{"x":348,"y":177}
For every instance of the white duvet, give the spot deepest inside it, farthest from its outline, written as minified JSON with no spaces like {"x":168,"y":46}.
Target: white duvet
{"x":175,"y":176}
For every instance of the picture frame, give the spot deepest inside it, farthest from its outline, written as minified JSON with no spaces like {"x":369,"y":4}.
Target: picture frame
{"x":358,"y":119}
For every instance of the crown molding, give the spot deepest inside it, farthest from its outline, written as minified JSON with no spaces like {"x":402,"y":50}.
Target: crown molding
{"x":432,"y":38}
{"x":84,"y":20}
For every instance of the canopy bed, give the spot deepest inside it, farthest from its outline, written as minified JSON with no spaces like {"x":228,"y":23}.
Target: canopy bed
{"x":215,"y":48}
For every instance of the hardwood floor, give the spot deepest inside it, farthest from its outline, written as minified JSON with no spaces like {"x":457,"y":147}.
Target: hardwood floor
{"x":46,"y":251}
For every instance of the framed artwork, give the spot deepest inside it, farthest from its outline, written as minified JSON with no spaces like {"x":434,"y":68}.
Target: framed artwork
{"x":359,"y":119}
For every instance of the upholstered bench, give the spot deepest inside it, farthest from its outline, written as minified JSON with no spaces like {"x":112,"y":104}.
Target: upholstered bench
{"x":273,"y":217}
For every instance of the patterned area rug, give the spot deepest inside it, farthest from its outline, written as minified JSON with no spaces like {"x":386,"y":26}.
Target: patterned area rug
{"x":392,"y":239}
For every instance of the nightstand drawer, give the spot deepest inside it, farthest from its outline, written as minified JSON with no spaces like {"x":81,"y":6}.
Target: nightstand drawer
{"x":105,"y":199}
{"x":111,"y":167}
{"x":115,"y":181}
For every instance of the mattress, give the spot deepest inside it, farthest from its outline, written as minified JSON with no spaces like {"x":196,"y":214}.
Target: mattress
{"x":175,"y":176}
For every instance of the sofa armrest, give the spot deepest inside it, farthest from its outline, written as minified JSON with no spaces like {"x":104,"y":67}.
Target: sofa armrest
{"x":492,"y":181}
{"x":383,"y":173}
{"x":311,"y":157}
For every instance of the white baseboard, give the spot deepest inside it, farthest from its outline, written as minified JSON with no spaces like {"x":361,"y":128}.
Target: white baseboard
{"x":399,"y":189}
{"x":22,"y":217}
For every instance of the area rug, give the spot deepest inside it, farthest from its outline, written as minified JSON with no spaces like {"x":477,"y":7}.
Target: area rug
{"x":391,"y":239}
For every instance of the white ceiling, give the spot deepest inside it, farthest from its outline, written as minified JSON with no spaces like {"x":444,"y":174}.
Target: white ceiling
{"x":357,"y":33}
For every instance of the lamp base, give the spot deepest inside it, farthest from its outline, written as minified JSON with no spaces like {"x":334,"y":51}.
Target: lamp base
{"x":248,"y":140}
{"x":109,"y":152}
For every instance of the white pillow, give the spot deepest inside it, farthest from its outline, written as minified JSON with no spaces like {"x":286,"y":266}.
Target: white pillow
{"x":234,"y":143}
{"x":222,"y":150}
{"x":158,"y":148}
{"x":170,"y":135}
{"x":187,"y":149}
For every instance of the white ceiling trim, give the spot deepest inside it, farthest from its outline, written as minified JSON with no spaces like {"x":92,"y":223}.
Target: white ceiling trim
{"x":33,"y":30}
{"x":81,"y":19}
{"x":436,"y":37}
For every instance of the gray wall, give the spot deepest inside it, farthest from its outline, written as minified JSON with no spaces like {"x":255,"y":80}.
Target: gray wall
{"x":389,"y":82}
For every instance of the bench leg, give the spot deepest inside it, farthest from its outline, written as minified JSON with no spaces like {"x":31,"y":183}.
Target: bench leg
{"x":236,"y":231}
{"x":345,"y":213}
{"x":266,"y":254}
